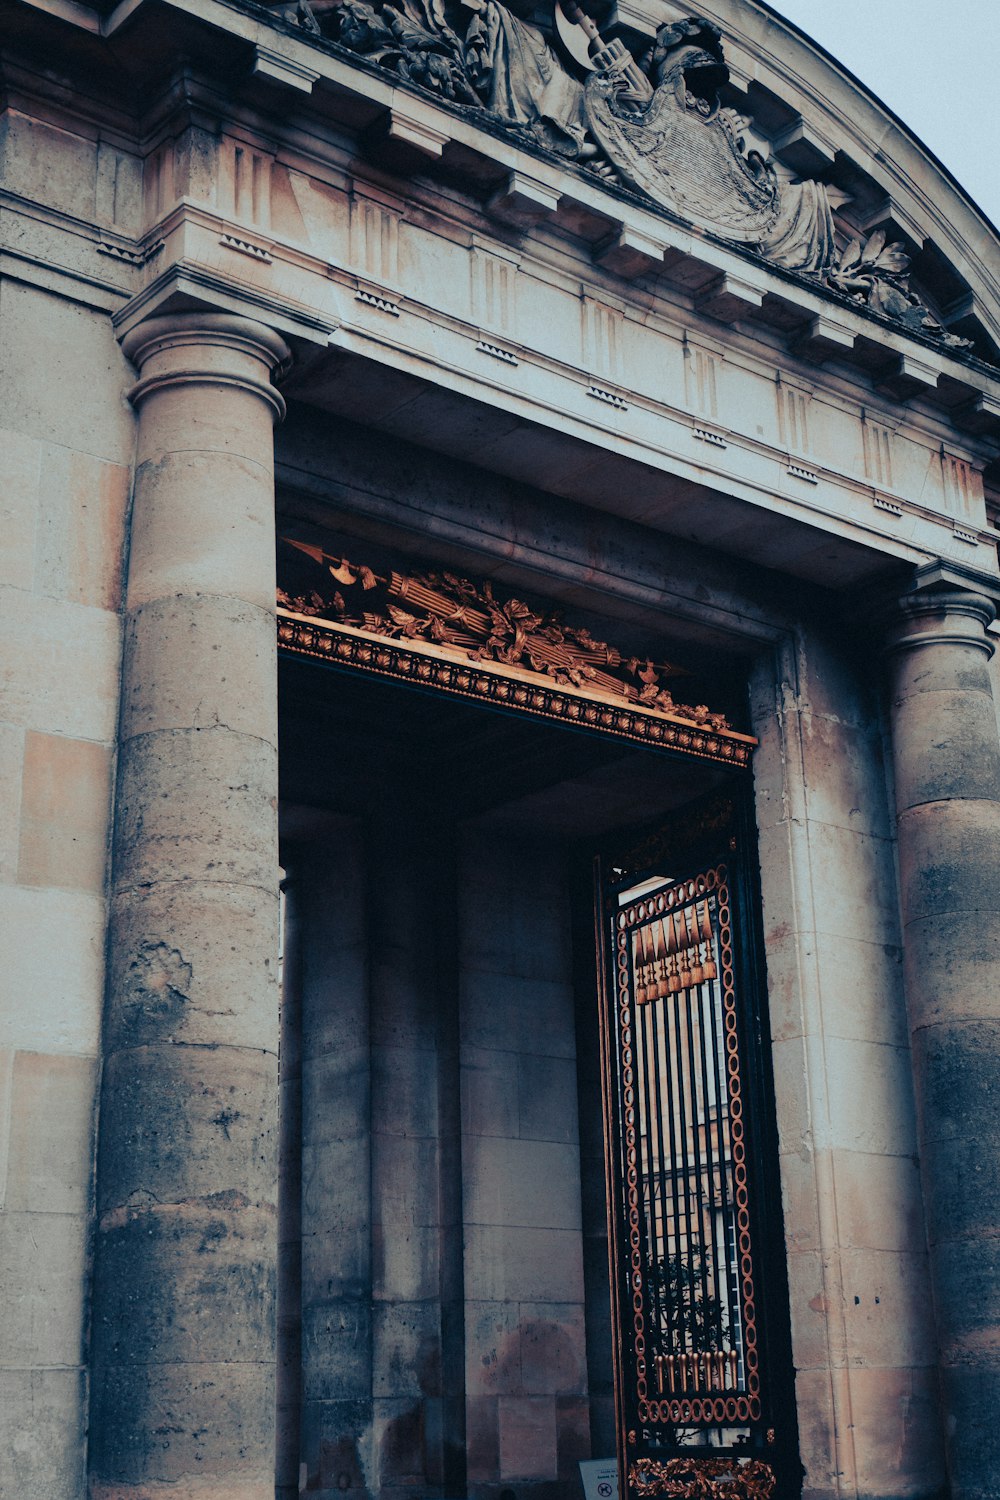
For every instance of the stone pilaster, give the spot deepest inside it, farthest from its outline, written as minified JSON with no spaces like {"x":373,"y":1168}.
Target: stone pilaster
{"x":183,"y":1325}
{"x":947,"y":771}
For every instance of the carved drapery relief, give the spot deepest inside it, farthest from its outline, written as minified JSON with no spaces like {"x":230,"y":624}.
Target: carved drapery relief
{"x":653,"y":123}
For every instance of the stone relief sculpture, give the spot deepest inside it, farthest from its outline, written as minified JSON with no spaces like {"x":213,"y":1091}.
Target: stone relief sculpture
{"x":683,"y":149}
{"x":521,"y":77}
{"x":653,"y":123}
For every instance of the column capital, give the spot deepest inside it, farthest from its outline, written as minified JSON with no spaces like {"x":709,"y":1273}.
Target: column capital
{"x":937,"y":614}
{"x":206,"y":348}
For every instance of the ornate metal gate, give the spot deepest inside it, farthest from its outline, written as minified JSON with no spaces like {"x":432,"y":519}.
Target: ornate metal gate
{"x":698,"y":1293}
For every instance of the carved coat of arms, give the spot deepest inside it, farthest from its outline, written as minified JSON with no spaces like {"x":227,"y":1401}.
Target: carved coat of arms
{"x":653,"y":122}
{"x":678,"y":145}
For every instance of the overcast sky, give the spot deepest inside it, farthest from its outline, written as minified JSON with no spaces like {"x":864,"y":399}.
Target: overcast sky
{"x":936,"y":63}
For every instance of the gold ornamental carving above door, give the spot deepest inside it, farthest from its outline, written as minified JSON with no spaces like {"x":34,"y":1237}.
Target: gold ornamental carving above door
{"x":443,"y":631}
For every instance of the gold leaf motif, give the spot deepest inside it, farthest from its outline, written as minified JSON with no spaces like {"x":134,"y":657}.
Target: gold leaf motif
{"x":448,"y":609}
{"x":703,"y":1478}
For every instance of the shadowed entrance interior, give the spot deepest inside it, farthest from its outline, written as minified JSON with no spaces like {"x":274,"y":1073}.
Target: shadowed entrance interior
{"x":444,"y":1297}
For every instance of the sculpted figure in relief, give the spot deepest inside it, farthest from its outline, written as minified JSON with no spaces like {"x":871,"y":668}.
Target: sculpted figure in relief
{"x":655,"y":123}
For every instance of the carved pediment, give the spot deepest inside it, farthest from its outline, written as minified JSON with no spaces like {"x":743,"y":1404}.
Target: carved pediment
{"x":652,"y":121}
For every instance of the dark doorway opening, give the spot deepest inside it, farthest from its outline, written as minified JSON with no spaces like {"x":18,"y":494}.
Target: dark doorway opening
{"x":445,"y":1301}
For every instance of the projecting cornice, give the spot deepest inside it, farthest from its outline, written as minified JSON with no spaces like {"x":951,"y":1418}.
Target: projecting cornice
{"x":730,"y":126}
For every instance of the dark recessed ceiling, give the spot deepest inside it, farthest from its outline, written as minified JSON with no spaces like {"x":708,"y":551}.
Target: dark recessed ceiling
{"x":355,"y":745}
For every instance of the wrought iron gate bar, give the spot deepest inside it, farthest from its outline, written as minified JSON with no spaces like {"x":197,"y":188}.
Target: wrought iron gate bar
{"x":687,"y":1201}
{"x":703,"y":1374}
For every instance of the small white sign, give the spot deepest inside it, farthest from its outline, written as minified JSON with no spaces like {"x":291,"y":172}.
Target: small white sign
{"x":600,"y":1478}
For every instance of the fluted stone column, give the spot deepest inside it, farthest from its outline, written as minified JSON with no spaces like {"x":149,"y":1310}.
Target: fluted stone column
{"x":947,"y":769}
{"x":182,"y":1396}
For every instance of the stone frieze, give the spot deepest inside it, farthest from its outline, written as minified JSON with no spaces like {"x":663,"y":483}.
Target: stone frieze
{"x":653,"y":123}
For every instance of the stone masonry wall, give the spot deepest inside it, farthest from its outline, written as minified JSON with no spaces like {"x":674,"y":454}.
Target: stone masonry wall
{"x":863,"y":1340}
{"x":66,"y":440}
{"x":526,"y":1363}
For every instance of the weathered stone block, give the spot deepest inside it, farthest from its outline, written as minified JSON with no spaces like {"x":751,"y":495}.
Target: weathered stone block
{"x":862,"y":988}
{"x":489,"y":1092}
{"x":527,"y":1437}
{"x":528,"y":1183}
{"x":221,"y":1415}
{"x":56,"y":988}
{"x":337,"y":1447}
{"x":572,"y":1436}
{"x":889,"y":1318}
{"x":181,"y":547}
{"x":193,"y":1282}
{"x":791,"y":1094}
{"x":815,"y":1392}
{"x":336,"y":1262}
{"x":220,"y":424}
{"x":946,"y":668}
{"x":336,"y":1177}
{"x":194,"y":961}
{"x":952,"y":750}
{"x":800,"y":1199}
{"x":406,"y":1349}
{"x":43,"y":1269}
{"x":404,"y":998}
{"x":870,"y":1098}
{"x":547,"y":1102}
{"x":404,"y":1186}
{"x":951,"y":958}
{"x":201,"y":662}
{"x":82,"y":503}
{"x":971,"y":1403}
{"x":482,"y":1439}
{"x":844,"y":781}
{"x":809,"y":1307}
{"x":403,"y":1454}
{"x":879,"y":1204}
{"x":43,"y":1424}
{"x":196,"y":805}
{"x":968,"y":1273}
{"x":829,"y":680}
{"x":553,"y":1349}
{"x":64,"y":375}
{"x":406,"y":1259}
{"x":19,"y":507}
{"x":956,"y":1066}
{"x":336,"y":1350}
{"x":496,"y":1007}
{"x":965,"y":1179}
{"x":853,"y":882}
{"x":60,"y":670}
{"x":949,"y":858}
{"x":492,"y":1349}
{"x":334,"y":999}
{"x":897,"y":1432}
{"x":50,"y":1161}
{"x":517,"y":1264}
{"x":404,"y":1084}
{"x":184,"y":1124}
{"x":65,"y":812}
{"x":336,"y":1100}
{"x":11,"y":761}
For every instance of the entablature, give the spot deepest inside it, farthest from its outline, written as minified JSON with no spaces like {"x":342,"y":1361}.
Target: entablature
{"x":359,"y":215}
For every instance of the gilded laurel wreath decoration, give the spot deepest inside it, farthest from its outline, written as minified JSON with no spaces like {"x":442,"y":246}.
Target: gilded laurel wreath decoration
{"x":703,"y":1478}
{"x":444,"y":609}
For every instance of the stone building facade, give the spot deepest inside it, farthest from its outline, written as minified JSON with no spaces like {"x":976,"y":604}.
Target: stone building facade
{"x":512,"y":333}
